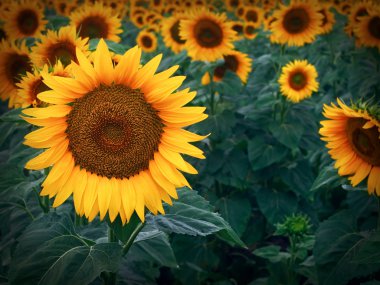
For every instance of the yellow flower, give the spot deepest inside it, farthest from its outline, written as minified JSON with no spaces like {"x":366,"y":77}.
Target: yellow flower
{"x":250,"y":31}
{"x":58,"y":45}
{"x":147,"y":41}
{"x":208,"y":36}
{"x":357,"y":10}
{"x":114,"y":135}
{"x":14,"y":63}
{"x":328,"y":19}
{"x":353,"y":137}
{"x":367,"y":30}
{"x":296,"y":24}
{"x":298,"y":80}
{"x":24,"y":19}
{"x":96,"y":21}
{"x":170,"y":32}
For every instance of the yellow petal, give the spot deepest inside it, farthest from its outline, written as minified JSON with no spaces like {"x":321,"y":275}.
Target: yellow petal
{"x":104,"y":195}
{"x":104,"y":69}
{"x":146,"y":72}
{"x":127,"y":67}
{"x":177,"y":160}
{"x":115,"y":203}
{"x":80,"y":186}
{"x":48,"y":112}
{"x":161,"y":180}
{"x":128,"y":197}
{"x":90,"y":195}
{"x":67,"y":189}
{"x":140,"y":203}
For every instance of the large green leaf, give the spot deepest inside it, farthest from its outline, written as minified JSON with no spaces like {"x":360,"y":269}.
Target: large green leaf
{"x":275,"y":205}
{"x":192,"y":215}
{"x":50,"y":252}
{"x":287,"y":134}
{"x":343,"y":253}
{"x":236,"y":210}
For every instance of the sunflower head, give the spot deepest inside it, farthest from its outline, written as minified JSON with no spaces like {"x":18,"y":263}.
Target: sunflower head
{"x":234,"y":61}
{"x":24,"y":19}
{"x":208,"y":36}
{"x":170,"y":32}
{"x":298,"y":80}
{"x":296,"y":24}
{"x":367,"y":30}
{"x":58,"y":46}
{"x":328,"y":19}
{"x":147,"y":41}
{"x":96,"y":21}
{"x":114,"y":135}
{"x":254,"y":15}
{"x":250,"y":31}
{"x":353,"y":137}
{"x":14,"y":63}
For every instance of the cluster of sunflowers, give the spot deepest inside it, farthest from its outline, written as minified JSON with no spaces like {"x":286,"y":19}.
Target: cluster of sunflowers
{"x":78,"y":96}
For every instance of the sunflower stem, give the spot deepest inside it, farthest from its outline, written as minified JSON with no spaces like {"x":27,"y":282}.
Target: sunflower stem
{"x":132,"y":237}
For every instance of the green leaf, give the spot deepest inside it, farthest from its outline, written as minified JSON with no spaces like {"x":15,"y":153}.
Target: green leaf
{"x":327,"y":178}
{"x":152,"y":244}
{"x":287,"y":134}
{"x":275,"y":205}
{"x":343,"y":253}
{"x":272,"y":253}
{"x":192,"y":215}
{"x":51,"y":252}
{"x":262,"y":154}
{"x":236,"y":210}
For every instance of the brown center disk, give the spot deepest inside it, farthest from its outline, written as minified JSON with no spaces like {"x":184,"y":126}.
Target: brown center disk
{"x":93,"y":27}
{"x":208,"y":33}
{"x":63,"y":51}
{"x":113,"y":131}
{"x":27,"y":22}
{"x":251,"y":16}
{"x":374,"y":27}
{"x":230,"y":63}
{"x":147,"y":41}
{"x":16,"y":66}
{"x":3,"y":35}
{"x":365,"y":142}
{"x":297,"y":80}
{"x":296,"y":21}
{"x":238,"y":28}
{"x":234,"y":3}
{"x":250,"y":30}
{"x":174,"y":33}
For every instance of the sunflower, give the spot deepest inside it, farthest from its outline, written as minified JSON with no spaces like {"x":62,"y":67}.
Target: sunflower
{"x":24,"y":19}
{"x":235,"y":61}
{"x":368,"y":29}
{"x":147,"y":41}
{"x":357,"y":10}
{"x":249,"y":31}
{"x":114,"y":135}
{"x":298,"y":80}
{"x":170,"y":32}
{"x":254,"y":15}
{"x":64,"y":7}
{"x":238,"y":27}
{"x":208,"y":36}
{"x":31,"y":85}
{"x":14,"y":63}
{"x":60,"y":46}
{"x":231,"y":5}
{"x":328,"y":19}
{"x":353,"y":137}
{"x":96,"y":21}
{"x":296,"y":24}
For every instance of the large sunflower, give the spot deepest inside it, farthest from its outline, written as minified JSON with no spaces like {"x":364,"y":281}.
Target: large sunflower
{"x":96,"y":21}
{"x":24,"y":19}
{"x":114,"y":135}
{"x":170,"y":32}
{"x":353,"y":137}
{"x":368,"y":29}
{"x":14,"y":63}
{"x":60,"y":46}
{"x":298,"y":80}
{"x":235,"y":61}
{"x":208,"y":36}
{"x":147,"y":41}
{"x":296,"y":24}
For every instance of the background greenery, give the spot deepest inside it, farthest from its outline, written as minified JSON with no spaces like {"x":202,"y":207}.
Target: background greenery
{"x":268,"y":205}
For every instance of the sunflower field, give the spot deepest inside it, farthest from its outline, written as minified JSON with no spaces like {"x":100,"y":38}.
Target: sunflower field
{"x":184,"y":142}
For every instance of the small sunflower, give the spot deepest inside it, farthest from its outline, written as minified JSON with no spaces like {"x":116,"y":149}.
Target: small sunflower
{"x":353,"y":137}
{"x":31,"y":85}
{"x":368,"y":29}
{"x":114,"y":135}
{"x":254,"y":15}
{"x":231,"y":5}
{"x":64,"y":7}
{"x":238,"y":27}
{"x":96,"y":21}
{"x":328,"y":19}
{"x":14,"y":63}
{"x":147,"y":41}
{"x":24,"y":19}
{"x":236,"y":62}
{"x":170,"y":32}
{"x":298,"y":80}
{"x":60,"y":46}
{"x":208,"y":36}
{"x":296,"y":24}
{"x":249,"y":31}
